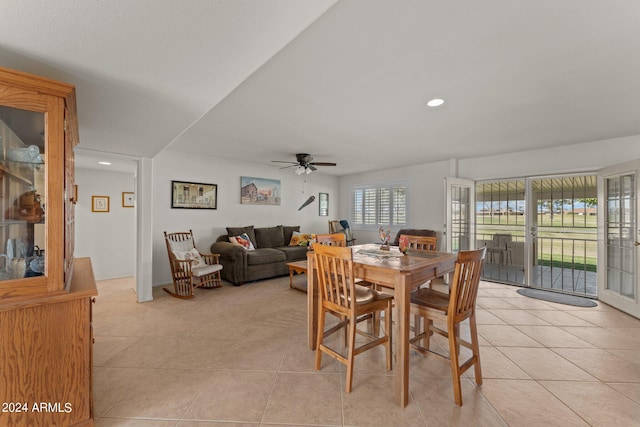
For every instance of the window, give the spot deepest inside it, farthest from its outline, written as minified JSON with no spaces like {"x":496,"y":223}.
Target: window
{"x":379,"y":205}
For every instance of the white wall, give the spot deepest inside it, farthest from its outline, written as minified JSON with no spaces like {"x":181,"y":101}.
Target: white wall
{"x":108,"y":238}
{"x":208,"y":224}
{"x":425,"y":202}
{"x":426,"y":192}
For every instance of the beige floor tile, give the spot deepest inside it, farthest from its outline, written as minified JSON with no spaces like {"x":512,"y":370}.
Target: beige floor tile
{"x":485,"y":317}
{"x":300,"y":398}
{"x":165,"y":394}
{"x":505,"y":335}
{"x":523,"y":403}
{"x":128,"y":422}
{"x":518,"y":317}
{"x":372,"y":403}
{"x":552,"y":336}
{"x":630,"y":356}
{"x":607,"y":317}
{"x":608,"y":338}
{"x":111,"y":385}
{"x":602,"y":364}
{"x":434,"y":398}
{"x":544,"y":364}
{"x":526,"y":303}
{"x":630,"y":390}
{"x":597,"y":403}
{"x":559,"y":318}
{"x":246,"y":352}
{"x":232,"y":396}
{"x":495,"y":364}
{"x":104,"y":348}
{"x":491,"y":301}
{"x":145,"y":352}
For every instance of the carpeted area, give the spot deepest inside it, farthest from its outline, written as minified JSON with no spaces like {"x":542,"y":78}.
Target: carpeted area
{"x":557,"y":297}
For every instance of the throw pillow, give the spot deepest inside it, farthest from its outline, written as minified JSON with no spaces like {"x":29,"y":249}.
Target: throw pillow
{"x":239,"y":231}
{"x":191,"y":255}
{"x":302,"y":239}
{"x":288,"y":232}
{"x":242,"y":240}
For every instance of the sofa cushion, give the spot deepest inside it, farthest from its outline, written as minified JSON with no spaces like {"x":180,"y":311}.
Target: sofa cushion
{"x":294,"y":253}
{"x":288,"y":232}
{"x":269,"y":237}
{"x":238,"y":231}
{"x":265,"y":256}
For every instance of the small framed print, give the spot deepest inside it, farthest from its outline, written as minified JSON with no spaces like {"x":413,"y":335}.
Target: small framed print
{"x":323,"y":204}
{"x":99,"y":203}
{"x":128,"y":199}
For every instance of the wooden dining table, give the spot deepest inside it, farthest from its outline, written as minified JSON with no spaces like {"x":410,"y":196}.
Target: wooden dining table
{"x":391,"y":269}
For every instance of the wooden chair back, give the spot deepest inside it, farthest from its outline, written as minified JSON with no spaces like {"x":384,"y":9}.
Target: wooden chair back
{"x":420,"y":243}
{"x":335,"y":268}
{"x":466,"y":280}
{"x":333,"y":239}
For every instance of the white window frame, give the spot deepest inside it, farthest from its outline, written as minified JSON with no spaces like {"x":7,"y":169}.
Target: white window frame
{"x":377,"y":187}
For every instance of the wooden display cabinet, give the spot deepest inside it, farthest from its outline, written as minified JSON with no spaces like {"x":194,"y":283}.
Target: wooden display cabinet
{"x":46,"y":295}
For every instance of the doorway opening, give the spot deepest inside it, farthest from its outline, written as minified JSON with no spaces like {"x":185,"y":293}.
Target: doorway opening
{"x":540,"y":232}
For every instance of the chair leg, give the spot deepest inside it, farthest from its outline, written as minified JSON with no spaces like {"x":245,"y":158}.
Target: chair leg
{"x":388,"y":327}
{"x":455,"y":365}
{"x":476,"y":349}
{"x":321,"y":317}
{"x":350,"y":353}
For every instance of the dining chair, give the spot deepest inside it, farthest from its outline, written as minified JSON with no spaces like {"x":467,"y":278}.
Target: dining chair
{"x":189,"y":267}
{"x":452,"y":308}
{"x":420,"y":243}
{"x":343,"y":298}
{"x":333,"y":239}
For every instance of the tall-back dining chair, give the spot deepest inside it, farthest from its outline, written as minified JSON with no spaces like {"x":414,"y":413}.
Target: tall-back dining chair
{"x":346,"y":300}
{"x":420,"y":243}
{"x":333,"y":239}
{"x":189,"y":267}
{"x":452,"y":308}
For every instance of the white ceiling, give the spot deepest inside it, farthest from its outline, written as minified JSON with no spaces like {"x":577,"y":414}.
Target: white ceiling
{"x":346,"y":81}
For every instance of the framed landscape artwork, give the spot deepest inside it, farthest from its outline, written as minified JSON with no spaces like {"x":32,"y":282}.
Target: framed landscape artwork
{"x":259,"y":191}
{"x":194,"y":195}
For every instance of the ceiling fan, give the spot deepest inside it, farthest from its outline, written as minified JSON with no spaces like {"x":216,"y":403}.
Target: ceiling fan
{"x":304,"y":164}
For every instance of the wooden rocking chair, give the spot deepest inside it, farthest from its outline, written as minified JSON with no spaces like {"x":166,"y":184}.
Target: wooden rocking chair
{"x":189,"y":267}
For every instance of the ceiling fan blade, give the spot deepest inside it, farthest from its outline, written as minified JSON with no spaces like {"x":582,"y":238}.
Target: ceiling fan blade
{"x":283,"y":161}
{"x":290,"y":166}
{"x":313,"y":168}
{"x":323,"y":164}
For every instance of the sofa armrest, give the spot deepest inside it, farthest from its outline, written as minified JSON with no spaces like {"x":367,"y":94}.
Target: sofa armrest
{"x":233,"y":259}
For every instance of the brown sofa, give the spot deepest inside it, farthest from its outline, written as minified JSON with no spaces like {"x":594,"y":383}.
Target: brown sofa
{"x":269,"y":258}
{"x":413,"y":232}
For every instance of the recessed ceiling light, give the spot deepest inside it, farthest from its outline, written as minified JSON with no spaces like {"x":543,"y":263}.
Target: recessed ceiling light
{"x":104,"y":163}
{"x":436,"y":102}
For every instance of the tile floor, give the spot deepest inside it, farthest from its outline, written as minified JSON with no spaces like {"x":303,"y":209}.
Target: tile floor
{"x":237,"y":356}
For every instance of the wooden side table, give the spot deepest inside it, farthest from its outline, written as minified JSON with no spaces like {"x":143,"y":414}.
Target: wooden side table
{"x":298,"y":267}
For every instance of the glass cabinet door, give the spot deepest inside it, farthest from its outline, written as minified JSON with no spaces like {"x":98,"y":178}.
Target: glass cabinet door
{"x":23,"y":193}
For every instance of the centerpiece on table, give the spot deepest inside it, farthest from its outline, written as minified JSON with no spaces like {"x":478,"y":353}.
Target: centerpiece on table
{"x":403,"y":244}
{"x":385,"y":237}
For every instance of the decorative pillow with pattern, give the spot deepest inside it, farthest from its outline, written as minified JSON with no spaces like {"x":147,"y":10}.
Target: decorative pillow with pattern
{"x":242,"y":240}
{"x":302,"y":239}
{"x":191,"y":255}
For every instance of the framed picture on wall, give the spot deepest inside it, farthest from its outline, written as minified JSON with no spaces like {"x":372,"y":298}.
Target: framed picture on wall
{"x":194,"y":195}
{"x":99,"y":203}
{"x":323,"y":204}
{"x":128,"y":199}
